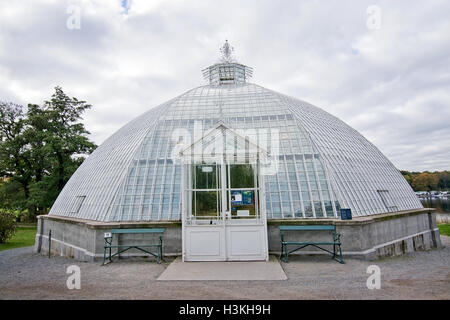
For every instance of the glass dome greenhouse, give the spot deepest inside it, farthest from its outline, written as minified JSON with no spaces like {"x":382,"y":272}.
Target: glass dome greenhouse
{"x":322,"y":163}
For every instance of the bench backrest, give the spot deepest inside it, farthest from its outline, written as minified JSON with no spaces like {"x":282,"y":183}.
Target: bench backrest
{"x":142,"y":230}
{"x":308,"y":228}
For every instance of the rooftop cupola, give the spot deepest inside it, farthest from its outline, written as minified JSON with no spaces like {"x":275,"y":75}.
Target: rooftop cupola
{"x":227,"y":70}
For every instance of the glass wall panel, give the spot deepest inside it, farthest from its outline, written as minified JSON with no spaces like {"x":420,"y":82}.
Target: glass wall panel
{"x":242,"y":176}
{"x":205,"y":176}
{"x":205,"y":204}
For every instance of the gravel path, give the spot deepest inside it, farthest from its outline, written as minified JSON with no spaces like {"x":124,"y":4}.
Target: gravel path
{"x":421,"y":275}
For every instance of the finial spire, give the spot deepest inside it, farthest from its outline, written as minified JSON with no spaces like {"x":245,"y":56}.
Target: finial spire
{"x":227,"y":51}
{"x":227,"y":70}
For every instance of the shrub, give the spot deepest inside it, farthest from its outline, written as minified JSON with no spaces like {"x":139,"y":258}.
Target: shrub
{"x":7,"y":225}
{"x":25,"y":217}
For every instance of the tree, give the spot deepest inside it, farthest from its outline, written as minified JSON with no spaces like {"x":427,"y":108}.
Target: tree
{"x":16,"y":164}
{"x":444,"y":180}
{"x":425,"y":182}
{"x":12,"y":196}
{"x":7,"y":226}
{"x":63,"y":136}
{"x":40,"y":150}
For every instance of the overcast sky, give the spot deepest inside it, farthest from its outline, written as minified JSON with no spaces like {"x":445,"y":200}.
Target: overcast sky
{"x":384,"y":70}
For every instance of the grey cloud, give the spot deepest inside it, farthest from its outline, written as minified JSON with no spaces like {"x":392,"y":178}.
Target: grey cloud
{"x":390,"y":84}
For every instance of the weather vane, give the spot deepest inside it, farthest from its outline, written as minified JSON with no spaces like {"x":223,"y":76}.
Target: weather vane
{"x":227,"y":51}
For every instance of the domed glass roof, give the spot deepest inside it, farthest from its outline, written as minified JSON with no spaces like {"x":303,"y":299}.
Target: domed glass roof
{"x":323,"y":164}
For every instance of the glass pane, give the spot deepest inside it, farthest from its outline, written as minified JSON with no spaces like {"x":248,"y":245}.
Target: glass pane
{"x":297,"y":209}
{"x":205,"y":204}
{"x":318,"y":208}
{"x":308,"y":209}
{"x":242,"y":176}
{"x":276,"y":209}
{"x":329,"y":208}
{"x":205,"y":176}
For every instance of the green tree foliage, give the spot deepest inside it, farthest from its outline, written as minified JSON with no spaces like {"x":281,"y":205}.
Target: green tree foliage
{"x":16,"y":159}
{"x":40,"y":150}
{"x":425,"y":181}
{"x":11,"y":195}
{"x":444,"y":180}
{"x":428,"y":181}
{"x":7,"y":225}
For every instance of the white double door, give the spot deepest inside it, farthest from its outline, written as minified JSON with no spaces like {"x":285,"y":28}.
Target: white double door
{"x":224,"y":219}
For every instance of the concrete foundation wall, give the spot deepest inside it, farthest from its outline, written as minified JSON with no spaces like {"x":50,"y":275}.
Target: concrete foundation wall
{"x":370,"y":237}
{"x":366,"y":237}
{"x":84,"y":240}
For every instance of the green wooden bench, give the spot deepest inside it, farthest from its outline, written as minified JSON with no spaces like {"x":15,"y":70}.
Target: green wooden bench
{"x":335,"y":241}
{"x":107,"y":253}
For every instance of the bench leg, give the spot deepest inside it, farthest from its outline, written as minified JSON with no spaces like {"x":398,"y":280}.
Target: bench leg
{"x":158,"y":258}
{"x":160,"y":252}
{"x":105,"y":256}
{"x":284,"y":254}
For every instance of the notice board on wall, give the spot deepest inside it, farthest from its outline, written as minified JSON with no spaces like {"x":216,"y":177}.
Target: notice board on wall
{"x":239,"y":197}
{"x":236,"y":197}
{"x":247,"y":197}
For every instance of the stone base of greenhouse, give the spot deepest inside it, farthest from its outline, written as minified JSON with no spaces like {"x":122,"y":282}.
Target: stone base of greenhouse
{"x":368,"y":237}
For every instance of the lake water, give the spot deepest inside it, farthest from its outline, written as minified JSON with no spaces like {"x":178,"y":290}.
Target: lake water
{"x":441,"y":204}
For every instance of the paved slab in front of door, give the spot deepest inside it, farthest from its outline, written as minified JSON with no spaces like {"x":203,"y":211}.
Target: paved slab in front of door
{"x":242,"y":270}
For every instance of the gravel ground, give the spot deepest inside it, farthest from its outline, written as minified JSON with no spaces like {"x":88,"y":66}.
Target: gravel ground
{"x":421,"y":275}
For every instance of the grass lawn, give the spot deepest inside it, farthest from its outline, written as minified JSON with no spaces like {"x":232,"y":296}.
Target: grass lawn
{"x":24,"y":237}
{"x":444,"y":229}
